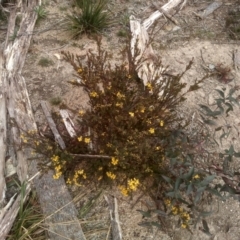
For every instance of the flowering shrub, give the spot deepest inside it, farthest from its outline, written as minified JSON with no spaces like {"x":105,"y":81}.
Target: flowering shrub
{"x":131,"y":136}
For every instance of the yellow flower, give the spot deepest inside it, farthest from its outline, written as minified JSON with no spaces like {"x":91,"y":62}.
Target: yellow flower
{"x":142,"y":110}
{"x":114,"y":161}
{"x":111,"y":175}
{"x":80,"y":172}
{"x":87,"y":140}
{"x":129,"y":76}
{"x":123,"y":190}
{"x":100,"y":178}
{"x":80,"y":138}
{"x":184,"y":225}
{"x":55,"y":158}
{"x":79,"y":70}
{"x":133,"y":184}
{"x":196,"y":176}
{"x":167,"y":202}
{"x":81,"y":113}
{"x":84,"y":176}
{"x":93,"y":94}
{"x":37,"y":143}
{"x":69,"y":181}
{"x":100,"y":168}
{"x":120,"y":96}
{"x":119,"y":105}
{"x":161,"y":123}
{"x":157,"y":148}
{"x":57,"y":175}
{"x":149,"y":86}
{"x":185,"y":216}
{"x":151,"y":130}
{"x":148,"y":121}
{"x":131,"y":114}
{"x":174,"y":210}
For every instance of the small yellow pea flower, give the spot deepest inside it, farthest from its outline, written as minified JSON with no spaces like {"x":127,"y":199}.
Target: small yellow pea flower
{"x":149,"y":86}
{"x":131,"y":114}
{"x":133,"y":184}
{"x":87,"y":140}
{"x":93,"y":94}
{"x":184,"y":225}
{"x":114,"y":161}
{"x":111,"y":175}
{"x":196,"y":176}
{"x":123,"y":190}
{"x":81,"y":113}
{"x":55,"y":158}
{"x":161,"y":123}
{"x":151,"y":130}
{"x":80,"y":138}
{"x":79,"y":70}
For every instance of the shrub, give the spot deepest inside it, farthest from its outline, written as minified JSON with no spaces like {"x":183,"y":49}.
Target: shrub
{"x":92,"y":18}
{"x":132,"y":136}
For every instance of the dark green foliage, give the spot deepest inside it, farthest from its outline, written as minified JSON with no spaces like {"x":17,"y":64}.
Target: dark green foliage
{"x":92,"y":18}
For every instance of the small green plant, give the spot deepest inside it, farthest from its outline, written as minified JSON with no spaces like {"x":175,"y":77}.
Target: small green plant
{"x":55,"y":101}
{"x":29,"y":221}
{"x":92,"y":18}
{"x":45,"y":62}
{"x":41,"y":12}
{"x":122,"y":33}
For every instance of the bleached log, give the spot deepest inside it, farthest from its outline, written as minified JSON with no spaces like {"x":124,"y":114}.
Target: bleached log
{"x":141,"y":48}
{"x":52,"y":125}
{"x":68,"y":123}
{"x":14,"y":97}
{"x":114,"y":216}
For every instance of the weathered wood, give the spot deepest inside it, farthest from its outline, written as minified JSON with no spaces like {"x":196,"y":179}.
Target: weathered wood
{"x":114,"y":216}
{"x":14,"y":97}
{"x":68,"y":122}
{"x":58,"y":208}
{"x":3,"y":129}
{"x":52,"y":125}
{"x":140,"y":44}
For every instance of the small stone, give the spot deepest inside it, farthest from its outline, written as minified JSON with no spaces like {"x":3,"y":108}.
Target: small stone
{"x":176,"y":28}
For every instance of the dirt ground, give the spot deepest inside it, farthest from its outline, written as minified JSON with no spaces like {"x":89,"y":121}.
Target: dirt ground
{"x":209,"y":41}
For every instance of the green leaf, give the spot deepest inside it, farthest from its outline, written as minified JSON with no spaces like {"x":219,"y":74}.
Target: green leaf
{"x":170,"y":194}
{"x":177,"y":184}
{"x":205,"y":227}
{"x":201,"y":189}
{"x":167,"y":179}
{"x":221,"y":93}
{"x":197,"y":197}
{"x":208,"y":121}
{"x":160,"y":213}
{"x":230,"y":108}
{"x":207,"y":180}
{"x":189,"y":175}
{"x":145,"y":214}
{"x":189,"y":189}
{"x":215,"y":192}
{"x":233,"y":100}
{"x":206,"y":109}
